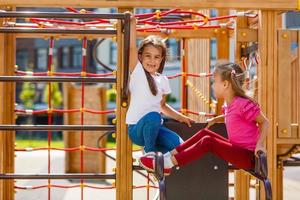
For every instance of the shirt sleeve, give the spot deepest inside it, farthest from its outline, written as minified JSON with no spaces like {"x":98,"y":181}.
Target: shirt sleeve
{"x":250,"y":110}
{"x":165,"y":85}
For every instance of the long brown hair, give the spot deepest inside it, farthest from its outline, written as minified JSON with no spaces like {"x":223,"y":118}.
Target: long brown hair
{"x":157,"y":42}
{"x":233,"y":73}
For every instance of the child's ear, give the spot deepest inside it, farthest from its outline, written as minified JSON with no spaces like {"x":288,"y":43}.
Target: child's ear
{"x":225,"y":84}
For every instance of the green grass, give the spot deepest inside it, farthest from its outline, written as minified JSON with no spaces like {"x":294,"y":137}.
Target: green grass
{"x":55,"y":144}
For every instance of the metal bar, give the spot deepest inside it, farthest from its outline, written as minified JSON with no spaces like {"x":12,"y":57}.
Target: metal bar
{"x":58,"y":176}
{"x":61,"y":31}
{"x":56,"y":79}
{"x":137,"y":168}
{"x":57,"y":127}
{"x":291,"y":163}
{"x":126,"y":56}
{"x":159,"y":174}
{"x":70,"y":15}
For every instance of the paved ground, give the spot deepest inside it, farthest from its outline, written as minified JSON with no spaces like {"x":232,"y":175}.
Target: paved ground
{"x":36,"y":162}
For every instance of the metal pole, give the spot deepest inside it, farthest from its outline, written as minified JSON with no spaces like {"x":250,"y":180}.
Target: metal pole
{"x":56,"y":79}
{"x":57,"y":127}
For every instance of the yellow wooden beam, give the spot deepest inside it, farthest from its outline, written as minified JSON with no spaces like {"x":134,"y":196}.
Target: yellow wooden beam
{"x":268,"y":88}
{"x":62,"y":36}
{"x":202,"y":33}
{"x":190,"y":34}
{"x":124,"y":177}
{"x":195,"y":4}
{"x":246,"y":35}
{"x":7,"y":116}
{"x":242,"y":179}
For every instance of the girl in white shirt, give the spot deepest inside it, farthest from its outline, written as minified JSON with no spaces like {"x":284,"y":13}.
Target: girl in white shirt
{"x":148,"y":90}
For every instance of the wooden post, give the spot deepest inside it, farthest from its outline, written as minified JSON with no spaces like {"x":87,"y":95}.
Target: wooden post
{"x":284,"y":84}
{"x":7,"y":116}
{"x":184,"y":66}
{"x":298,"y":85}
{"x":222,"y":51}
{"x":267,"y":95}
{"x":242,"y":179}
{"x":197,"y":58}
{"x":124,"y":146}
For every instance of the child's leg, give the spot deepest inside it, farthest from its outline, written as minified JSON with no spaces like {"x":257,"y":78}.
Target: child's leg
{"x":240,"y":157}
{"x":167,"y":140}
{"x":145,"y":132}
{"x":196,"y":137}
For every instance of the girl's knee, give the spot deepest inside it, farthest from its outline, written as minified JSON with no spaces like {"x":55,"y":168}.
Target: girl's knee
{"x":207,"y":141}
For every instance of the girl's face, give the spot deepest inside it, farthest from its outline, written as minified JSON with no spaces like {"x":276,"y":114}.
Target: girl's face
{"x":219,"y":86}
{"x":151,"y":58}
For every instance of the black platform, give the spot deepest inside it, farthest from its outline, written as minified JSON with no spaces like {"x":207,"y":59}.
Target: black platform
{"x":204,"y":179}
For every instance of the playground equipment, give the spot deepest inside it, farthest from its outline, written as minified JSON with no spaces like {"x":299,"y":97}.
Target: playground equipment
{"x":255,"y":33}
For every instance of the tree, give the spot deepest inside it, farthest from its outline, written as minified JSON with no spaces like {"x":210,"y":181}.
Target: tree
{"x":56,"y":95}
{"x":27,"y":95}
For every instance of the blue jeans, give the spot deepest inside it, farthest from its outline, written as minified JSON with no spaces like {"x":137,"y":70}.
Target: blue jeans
{"x":150,"y":133}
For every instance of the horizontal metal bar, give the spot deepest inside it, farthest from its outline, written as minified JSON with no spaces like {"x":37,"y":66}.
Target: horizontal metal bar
{"x":58,"y":176}
{"x":61,"y":31}
{"x":11,"y":127}
{"x":27,"y":14}
{"x":137,"y":168}
{"x":56,"y":79}
{"x":291,"y":163}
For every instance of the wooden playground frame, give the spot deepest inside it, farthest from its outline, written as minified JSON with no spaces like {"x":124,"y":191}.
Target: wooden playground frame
{"x":284,"y":132}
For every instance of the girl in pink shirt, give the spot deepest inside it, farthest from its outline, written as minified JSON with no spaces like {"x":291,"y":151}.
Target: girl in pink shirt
{"x":246,"y":126}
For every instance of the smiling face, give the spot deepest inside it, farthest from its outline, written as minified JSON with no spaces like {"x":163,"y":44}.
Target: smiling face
{"x":151,"y":58}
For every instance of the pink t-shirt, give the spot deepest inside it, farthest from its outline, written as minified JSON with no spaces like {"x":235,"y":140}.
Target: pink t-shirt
{"x":240,"y":122}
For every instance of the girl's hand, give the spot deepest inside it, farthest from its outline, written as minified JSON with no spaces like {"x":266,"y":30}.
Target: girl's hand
{"x":260,"y":147}
{"x":186,"y":120}
{"x":210,"y":122}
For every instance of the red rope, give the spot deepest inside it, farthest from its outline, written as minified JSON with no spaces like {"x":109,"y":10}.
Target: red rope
{"x":76,"y":11}
{"x":62,"y":186}
{"x":200,"y":113}
{"x":76,"y":74}
{"x":55,"y":21}
{"x":158,"y":16}
{"x":66,"y":149}
{"x":77,"y":186}
{"x":148,"y":186}
{"x":190,"y":75}
{"x":36,"y":112}
{"x":80,"y":148}
{"x":184,"y":78}
{"x":50,"y":58}
{"x":84,"y":52}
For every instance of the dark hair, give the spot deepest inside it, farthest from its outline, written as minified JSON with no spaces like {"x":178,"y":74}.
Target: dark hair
{"x":233,"y":73}
{"x":157,"y":42}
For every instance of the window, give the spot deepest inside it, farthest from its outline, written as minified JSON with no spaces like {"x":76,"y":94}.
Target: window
{"x":22,"y":59}
{"x":213,"y":49}
{"x":65,"y":57}
{"x":213,"y":13}
{"x":41,"y":58}
{"x":142,"y":10}
{"x":173,"y":49}
{"x":76,"y":56}
{"x":113,"y":53}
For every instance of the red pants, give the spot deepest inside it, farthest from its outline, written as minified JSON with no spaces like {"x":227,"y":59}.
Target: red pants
{"x":207,"y":141}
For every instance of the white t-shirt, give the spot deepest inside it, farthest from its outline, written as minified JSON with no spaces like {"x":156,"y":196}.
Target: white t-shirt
{"x":142,"y":101}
